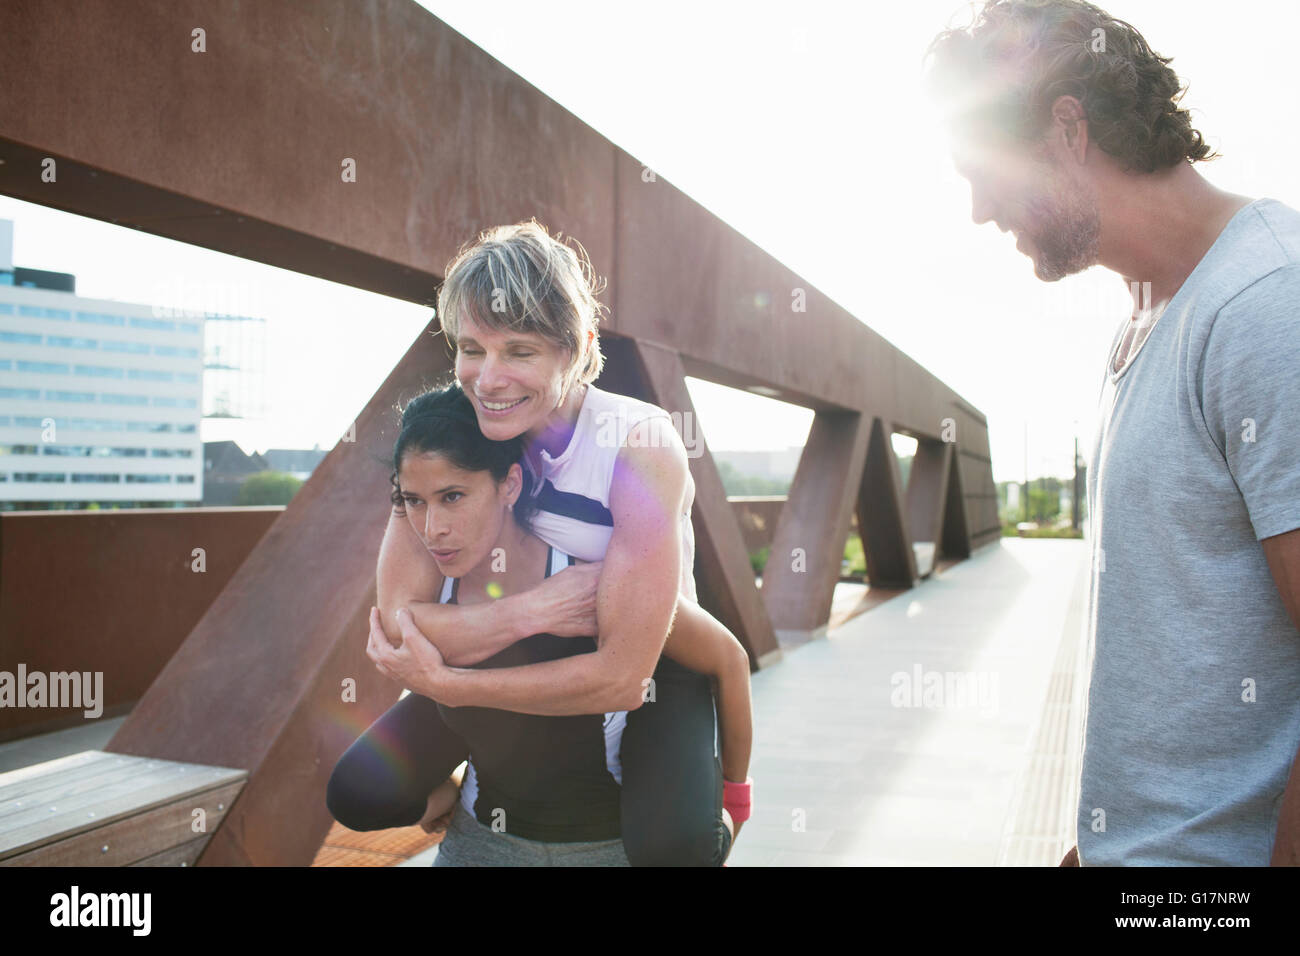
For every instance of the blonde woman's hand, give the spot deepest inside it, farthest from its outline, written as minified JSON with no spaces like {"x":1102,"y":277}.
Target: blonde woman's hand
{"x":565,"y":604}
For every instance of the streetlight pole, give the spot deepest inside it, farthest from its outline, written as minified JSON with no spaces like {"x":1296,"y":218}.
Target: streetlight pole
{"x":1074,"y":498}
{"x":1026,"y":505}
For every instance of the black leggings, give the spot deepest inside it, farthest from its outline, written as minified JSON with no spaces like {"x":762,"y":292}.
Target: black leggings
{"x":671,"y":801}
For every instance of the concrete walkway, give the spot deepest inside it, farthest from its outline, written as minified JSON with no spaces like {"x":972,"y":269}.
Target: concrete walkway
{"x":914,"y":734}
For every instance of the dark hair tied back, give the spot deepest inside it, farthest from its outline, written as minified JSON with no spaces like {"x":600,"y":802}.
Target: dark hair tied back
{"x":442,"y":421}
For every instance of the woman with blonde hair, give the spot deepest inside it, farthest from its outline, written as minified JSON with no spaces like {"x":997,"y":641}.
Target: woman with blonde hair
{"x":609,"y":485}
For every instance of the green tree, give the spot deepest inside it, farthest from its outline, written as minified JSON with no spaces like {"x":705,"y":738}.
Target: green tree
{"x":1045,"y":503}
{"x":268,"y":488}
{"x":737,"y":485}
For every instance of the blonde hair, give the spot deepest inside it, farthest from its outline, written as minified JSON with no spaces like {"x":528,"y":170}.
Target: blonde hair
{"x":521,"y":279}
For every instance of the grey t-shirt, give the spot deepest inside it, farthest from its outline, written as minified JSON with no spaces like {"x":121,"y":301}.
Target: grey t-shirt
{"x":1194,"y":707}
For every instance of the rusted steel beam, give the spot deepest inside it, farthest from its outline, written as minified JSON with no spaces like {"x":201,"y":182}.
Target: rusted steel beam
{"x":955,"y":539}
{"x":687,"y":280}
{"x":241,"y":148}
{"x":803,"y":566}
{"x":757,"y":517}
{"x":927,"y":490}
{"x":886,"y":543}
{"x":110,"y":592}
{"x":979,"y":495}
{"x":258,"y":683}
{"x":723,"y":574}
{"x":288,"y":786}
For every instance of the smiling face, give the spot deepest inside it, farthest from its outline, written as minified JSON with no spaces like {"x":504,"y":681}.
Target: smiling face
{"x":515,"y":380}
{"x":1054,"y":215}
{"x":458,"y":514}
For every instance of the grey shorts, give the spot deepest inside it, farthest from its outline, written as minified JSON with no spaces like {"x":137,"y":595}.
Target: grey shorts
{"x":470,"y":843}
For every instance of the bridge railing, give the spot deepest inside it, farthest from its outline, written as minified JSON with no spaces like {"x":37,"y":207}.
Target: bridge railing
{"x":335,"y":163}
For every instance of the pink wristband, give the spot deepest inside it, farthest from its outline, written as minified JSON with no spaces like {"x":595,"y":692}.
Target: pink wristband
{"x":737,"y":799}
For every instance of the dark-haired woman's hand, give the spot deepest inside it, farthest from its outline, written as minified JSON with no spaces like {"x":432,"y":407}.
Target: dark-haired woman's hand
{"x":565,"y":604}
{"x":414,"y":662}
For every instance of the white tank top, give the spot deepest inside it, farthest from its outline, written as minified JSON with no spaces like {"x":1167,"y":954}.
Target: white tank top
{"x":572,"y":493}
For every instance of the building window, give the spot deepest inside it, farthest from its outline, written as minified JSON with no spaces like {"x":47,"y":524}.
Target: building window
{"x":22,"y":338}
{"x":164,"y":325}
{"x":67,"y":342}
{"x":100,"y":318}
{"x":173,"y":351}
{"x":135,"y":348}
{"x":56,"y":368}
{"x":56,"y":396}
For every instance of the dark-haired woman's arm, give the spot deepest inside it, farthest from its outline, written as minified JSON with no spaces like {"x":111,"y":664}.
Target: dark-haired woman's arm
{"x":702,"y":643}
{"x":407,"y":576}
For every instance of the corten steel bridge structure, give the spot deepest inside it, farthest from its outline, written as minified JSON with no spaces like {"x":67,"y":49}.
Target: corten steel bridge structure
{"x":240,"y":148}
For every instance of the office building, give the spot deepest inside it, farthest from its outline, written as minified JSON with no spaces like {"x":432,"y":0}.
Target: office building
{"x":100,"y":401}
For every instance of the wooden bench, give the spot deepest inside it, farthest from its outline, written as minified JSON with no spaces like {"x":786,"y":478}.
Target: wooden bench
{"x":104,"y":809}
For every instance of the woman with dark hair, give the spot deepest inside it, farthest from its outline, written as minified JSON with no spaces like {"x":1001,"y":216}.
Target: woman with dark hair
{"x":538,"y":790}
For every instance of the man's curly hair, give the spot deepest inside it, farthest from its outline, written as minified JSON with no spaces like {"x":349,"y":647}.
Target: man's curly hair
{"x":998,"y":77}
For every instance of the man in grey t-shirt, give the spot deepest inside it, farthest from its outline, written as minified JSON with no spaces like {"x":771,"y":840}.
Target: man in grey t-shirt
{"x":1067,"y":126}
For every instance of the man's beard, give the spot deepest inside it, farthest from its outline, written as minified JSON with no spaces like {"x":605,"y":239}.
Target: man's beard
{"x":1070,"y":239}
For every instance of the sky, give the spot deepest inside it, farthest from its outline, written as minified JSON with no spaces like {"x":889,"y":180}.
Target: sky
{"x":804,"y":127}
